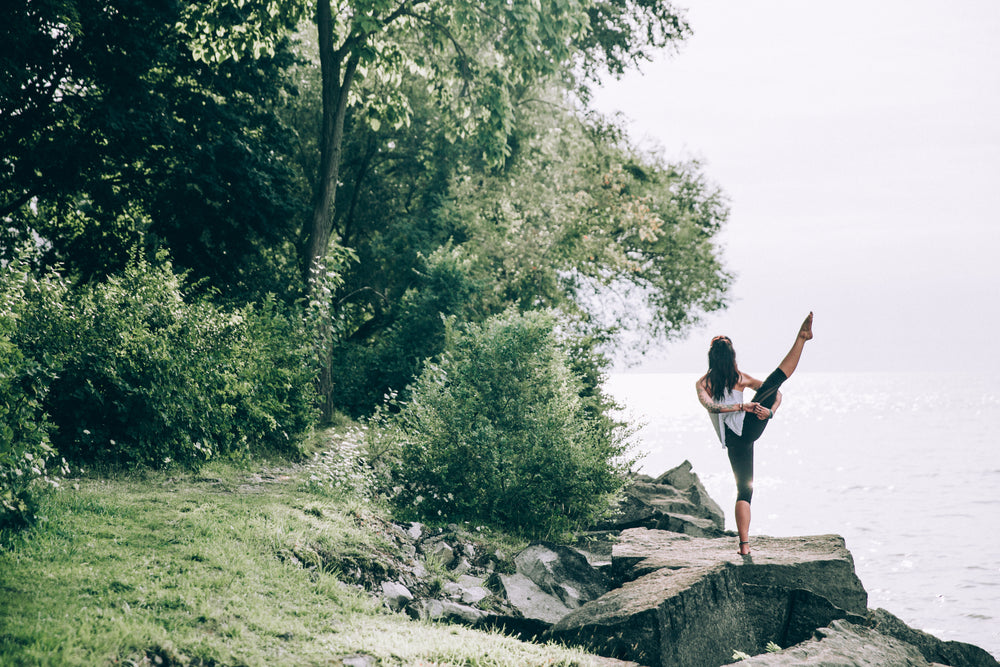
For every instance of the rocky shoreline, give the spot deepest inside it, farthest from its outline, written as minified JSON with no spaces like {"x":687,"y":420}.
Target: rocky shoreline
{"x":661,"y":584}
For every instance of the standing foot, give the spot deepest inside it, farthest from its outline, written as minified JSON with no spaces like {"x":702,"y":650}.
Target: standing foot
{"x":806,"y":330}
{"x":744,"y":549}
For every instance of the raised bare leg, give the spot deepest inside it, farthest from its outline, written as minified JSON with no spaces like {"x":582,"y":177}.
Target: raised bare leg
{"x":791,"y":359}
{"x":743,"y":525}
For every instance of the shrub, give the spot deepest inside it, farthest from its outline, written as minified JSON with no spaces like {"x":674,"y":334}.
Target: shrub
{"x":26,"y":454}
{"x":276,"y":403}
{"x":496,"y":432}
{"x":147,"y":377}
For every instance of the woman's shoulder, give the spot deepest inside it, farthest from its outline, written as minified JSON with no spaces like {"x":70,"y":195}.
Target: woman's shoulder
{"x":747,"y":381}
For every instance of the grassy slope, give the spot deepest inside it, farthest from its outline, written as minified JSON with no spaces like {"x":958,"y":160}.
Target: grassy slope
{"x":178,"y":568}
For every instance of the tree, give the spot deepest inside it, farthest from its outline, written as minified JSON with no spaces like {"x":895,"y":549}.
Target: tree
{"x":587,"y":223}
{"x":579,"y":221}
{"x":112,"y":134}
{"x":475,"y":74}
{"x":479,"y":59}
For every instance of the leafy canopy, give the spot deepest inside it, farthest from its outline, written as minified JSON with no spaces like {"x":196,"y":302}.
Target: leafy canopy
{"x":477,"y":58}
{"x":579,"y":221}
{"x":113,"y":135}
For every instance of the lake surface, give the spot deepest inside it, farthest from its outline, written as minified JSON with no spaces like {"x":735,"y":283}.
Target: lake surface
{"x":905,"y":466}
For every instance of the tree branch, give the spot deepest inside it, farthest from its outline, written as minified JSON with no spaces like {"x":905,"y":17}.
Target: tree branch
{"x":356,"y":195}
{"x":353,"y":40}
{"x":463,"y":57}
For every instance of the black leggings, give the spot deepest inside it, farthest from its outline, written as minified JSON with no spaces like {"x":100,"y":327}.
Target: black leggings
{"x":740,"y":447}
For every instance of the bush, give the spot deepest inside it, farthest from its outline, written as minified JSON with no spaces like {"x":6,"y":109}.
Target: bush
{"x":26,"y":454}
{"x":496,"y":432}
{"x":147,"y":377}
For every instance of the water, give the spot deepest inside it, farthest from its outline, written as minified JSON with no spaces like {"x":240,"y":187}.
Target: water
{"x":905,"y":466}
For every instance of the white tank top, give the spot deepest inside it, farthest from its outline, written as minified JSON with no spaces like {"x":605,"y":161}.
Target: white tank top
{"x":734,"y":420}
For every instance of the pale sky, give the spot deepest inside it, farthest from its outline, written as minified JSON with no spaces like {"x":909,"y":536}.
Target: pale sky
{"x":859,"y":143}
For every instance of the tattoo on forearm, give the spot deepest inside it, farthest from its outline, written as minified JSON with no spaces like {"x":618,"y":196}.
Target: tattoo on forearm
{"x":711,"y":406}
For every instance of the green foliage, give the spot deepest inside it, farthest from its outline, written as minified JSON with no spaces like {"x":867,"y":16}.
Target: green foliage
{"x":370,"y":365}
{"x":146,"y":376}
{"x":340,"y":468}
{"x":619,"y":240}
{"x":275,"y":395}
{"x":585,"y":222}
{"x":470,"y":179}
{"x":624,"y":33}
{"x":113,"y":135}
{"x":496,"y":432}
{"x":26,"y":455}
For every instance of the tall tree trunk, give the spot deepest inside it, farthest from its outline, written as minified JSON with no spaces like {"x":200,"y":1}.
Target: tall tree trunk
{"x":337,"y":67}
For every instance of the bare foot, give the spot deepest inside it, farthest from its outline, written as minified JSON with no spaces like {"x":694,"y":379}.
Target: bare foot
{"x":806,"y":330}
{"x":744,"y":549}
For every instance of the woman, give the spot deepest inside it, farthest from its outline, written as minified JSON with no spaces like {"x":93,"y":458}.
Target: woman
{"x":721,"y":392}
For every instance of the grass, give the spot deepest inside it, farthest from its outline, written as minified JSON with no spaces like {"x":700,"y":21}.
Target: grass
{"x":212,"y":568}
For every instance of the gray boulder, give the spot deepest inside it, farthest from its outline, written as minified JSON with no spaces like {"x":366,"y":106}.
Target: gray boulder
{"x":395,"y":594}
{"x":415,"y":531}
{"x":789,"y":616}
{"x":550,"y":581}
{"x":676,"y":501}
{"x":531,"y":601}
{"x":439,"y":550}
{"x":684,"y":479}
{"x":844,"y":644}
{"x":957,"y":654}
{"x":596,"y":547}
{"x":695,"y":616}
{"x":467,"y":590}
{"x":444,"y":610}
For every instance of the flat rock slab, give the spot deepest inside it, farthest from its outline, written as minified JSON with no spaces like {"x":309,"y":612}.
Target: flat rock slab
{"x":694,"y":616}
{"x":957,"y":654}
{"x":528,"y":598}
{"x":845,"y":645}
{"x":821,"y":563}
{"x":692,"y":601}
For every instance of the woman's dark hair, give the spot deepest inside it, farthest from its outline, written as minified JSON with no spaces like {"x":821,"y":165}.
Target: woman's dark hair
{"x":722,"y":372}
